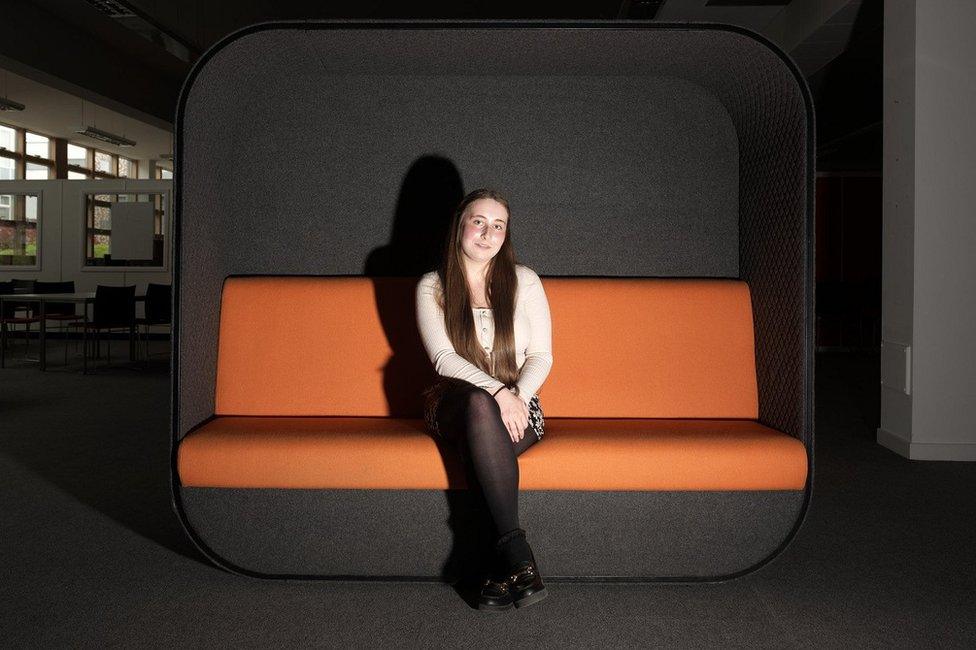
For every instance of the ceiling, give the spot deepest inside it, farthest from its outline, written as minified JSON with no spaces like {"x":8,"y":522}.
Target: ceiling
{"x":127,"y":58}
{"x":58,"y":113}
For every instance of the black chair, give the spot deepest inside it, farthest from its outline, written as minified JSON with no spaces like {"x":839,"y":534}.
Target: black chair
{"x":23,"y":286}
{"x":157,"y":310}
{"x":8,"y":316}
{"x":114,"y":309}
{"x":61,"y":312}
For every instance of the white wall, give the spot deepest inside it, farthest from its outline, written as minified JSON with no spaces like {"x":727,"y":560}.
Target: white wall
{"x":62,"y":228}
{"x":928,"y":373}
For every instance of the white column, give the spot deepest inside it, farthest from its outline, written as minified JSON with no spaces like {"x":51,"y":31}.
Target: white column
{"x":928,"y":352}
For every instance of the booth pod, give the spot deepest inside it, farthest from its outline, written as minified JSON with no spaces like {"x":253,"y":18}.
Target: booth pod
{"x":661,"y":184}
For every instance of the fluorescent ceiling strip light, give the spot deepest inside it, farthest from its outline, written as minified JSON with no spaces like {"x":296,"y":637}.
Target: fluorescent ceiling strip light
{"x":10,"y":105}
{"x":105,"y":136}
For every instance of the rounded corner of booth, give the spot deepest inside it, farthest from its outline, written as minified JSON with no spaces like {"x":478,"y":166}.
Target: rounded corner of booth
{"x":206,"y":59}
{"x":788,"y":538}
{"x":781,"y":54}
{"x":191,"y":532}
{"x":204,"y":549}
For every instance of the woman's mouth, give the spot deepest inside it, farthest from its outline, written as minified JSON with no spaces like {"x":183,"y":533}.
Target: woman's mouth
{"x":481,"y":245}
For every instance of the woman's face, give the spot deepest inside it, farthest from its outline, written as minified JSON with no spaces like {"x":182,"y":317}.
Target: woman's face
{"x":483,"y":229}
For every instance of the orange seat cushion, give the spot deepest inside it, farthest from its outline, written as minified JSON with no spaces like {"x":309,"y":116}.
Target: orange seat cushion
{"x":348,"y":346}
{"x":575,"y":454}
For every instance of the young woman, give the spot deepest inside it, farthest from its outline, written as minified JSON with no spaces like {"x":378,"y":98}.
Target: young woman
{"x":484,"y":321}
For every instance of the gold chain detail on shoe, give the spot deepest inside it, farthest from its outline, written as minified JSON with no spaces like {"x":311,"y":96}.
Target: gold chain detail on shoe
{"x":527,"y":570}
{"x":503,"y":585}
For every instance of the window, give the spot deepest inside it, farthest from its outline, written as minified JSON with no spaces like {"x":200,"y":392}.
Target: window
{"x":125,"y":229}
{"x":28,"y":155}
{"x":18,"y":229}
{"x":8,"y":169}
{"x":79,"y":161}
{"x":35,"y":171}
{"x":85,"y":162}
{"x":78,"y":156}
{"x":39,"y":146}
{"x":11,"y":158}
{"x":39,"y":158}
{"x":25,"y":154}
{"x":8,"y":138}
{"x":163,"y":174}
{"x":104,"y":163}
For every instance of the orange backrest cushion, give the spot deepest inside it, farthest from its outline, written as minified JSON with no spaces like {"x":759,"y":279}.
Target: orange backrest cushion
{"x":622,"y":348}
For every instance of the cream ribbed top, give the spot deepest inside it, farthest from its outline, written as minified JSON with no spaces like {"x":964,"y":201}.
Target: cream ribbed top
{"x":533,"y":335}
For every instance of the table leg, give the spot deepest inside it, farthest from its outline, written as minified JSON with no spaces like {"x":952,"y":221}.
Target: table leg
{"x":43,"y":335}
{"x":84,"y":338}
{"x":3,"y":337}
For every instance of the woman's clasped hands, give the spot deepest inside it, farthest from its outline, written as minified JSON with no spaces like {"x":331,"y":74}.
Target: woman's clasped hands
{"x":515,"y":413}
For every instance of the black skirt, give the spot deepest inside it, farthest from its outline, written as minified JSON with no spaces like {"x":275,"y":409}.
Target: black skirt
{"x":436,"y":391}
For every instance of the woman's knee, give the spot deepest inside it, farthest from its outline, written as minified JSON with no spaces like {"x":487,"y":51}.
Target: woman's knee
{"x":479,"y":402}
{"x":466,"y":406}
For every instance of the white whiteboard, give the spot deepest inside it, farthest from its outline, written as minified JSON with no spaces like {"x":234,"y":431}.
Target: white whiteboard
{"x":132,"y":231}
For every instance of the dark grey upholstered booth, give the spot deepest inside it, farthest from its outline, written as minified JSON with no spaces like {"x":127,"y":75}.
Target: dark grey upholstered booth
{"x":626,"y":149}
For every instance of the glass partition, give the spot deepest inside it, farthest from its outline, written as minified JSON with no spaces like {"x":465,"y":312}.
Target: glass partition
{"x":125,"y":229}
{"x":19,"y":243}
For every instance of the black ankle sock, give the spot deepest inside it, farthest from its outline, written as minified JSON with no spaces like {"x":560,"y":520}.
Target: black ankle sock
{"x":511,"y":549}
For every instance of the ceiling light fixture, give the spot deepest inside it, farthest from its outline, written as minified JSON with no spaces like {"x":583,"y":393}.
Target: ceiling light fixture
{"x":105,"y":136}
{"x":10,"y":105}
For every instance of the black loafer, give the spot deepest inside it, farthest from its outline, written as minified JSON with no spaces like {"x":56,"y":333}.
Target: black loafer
{"x":495,"y":595}
{"x":525,"y":585}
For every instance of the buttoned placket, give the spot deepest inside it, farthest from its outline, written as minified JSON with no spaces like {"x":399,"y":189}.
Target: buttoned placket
{"x":484,"y":332}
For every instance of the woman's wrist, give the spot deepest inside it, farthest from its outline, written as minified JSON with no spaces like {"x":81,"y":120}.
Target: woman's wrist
{"x":512,"y":387}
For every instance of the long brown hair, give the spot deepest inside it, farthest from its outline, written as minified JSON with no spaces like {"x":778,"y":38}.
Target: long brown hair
{"x":501,"y":283}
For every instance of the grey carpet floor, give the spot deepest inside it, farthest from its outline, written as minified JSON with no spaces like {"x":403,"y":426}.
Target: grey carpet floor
{"x":92,"y":555}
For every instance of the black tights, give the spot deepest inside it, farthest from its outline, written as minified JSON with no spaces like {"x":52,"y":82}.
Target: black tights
{"x":471,"y":418}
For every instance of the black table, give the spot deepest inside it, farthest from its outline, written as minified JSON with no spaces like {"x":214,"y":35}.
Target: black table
{"x":84,"y":297}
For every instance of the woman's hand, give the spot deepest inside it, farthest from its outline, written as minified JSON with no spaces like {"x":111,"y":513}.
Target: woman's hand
{"x":515,"y":413}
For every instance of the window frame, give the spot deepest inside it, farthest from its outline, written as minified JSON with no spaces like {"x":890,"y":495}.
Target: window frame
{"x":89,"y":163}
{"x":128,"y":186}
{"x":25,"y":190}
{"x":21,"y":159}
{"x":17,"y":155}
{"x":30,"y":159}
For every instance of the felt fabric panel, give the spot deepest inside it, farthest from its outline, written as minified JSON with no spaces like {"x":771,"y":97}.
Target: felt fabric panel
{"x":433,"y":534}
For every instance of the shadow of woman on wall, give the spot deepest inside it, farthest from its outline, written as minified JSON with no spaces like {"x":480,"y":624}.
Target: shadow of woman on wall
{"x":431,"y":190}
